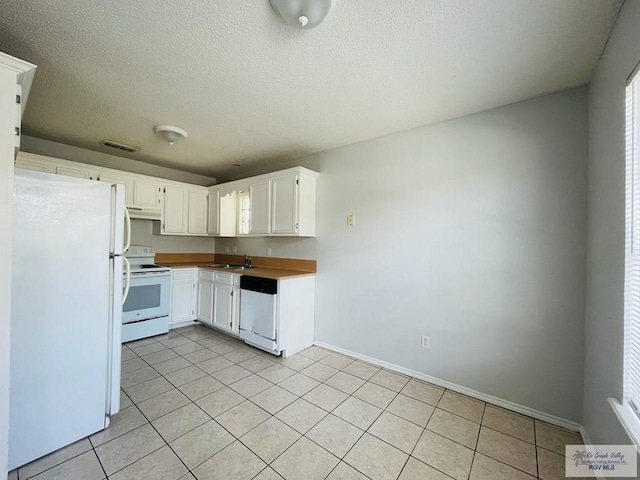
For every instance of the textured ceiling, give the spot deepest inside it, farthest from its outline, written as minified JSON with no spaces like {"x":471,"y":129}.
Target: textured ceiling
{"x":250,"y":89}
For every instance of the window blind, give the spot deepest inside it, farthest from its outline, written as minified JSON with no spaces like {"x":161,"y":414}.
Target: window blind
{"x":632,"y":248}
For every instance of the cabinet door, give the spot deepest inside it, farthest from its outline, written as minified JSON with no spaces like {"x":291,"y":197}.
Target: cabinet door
{"x":259,"y":208}
{"x":175,"y":206}
{"x":205,"y":302}
{"x":112,"y":179}
{"x":197,"y":219}
{"x":33,"y":165}
{"x":146,"y":194}
{"x":74,"y":172}
{"x":222,"y":306}
{"x":284,"y":205}
{"x":182,"y":293}
{"x":213,"y":224}
{"x":228,"y":217}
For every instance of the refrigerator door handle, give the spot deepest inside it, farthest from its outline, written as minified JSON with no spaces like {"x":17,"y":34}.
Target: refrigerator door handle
{"x":127,"y":280}
{"x":127,"y":219}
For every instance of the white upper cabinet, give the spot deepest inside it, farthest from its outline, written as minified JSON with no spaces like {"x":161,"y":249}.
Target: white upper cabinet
{"x":175,"y":209}
{"x":197,"y":211}
{"x":280,"y":204}
{"x":259,"y":203}
{"x":27,"y":161}
{"x":74,"y":172}
{"x":276,"y":204}
{"x":223,"y":205}
{"x":146,"y":194}
{"x":284,"y":205}
{"x":115,"y":179}
{"x":213,"y":222}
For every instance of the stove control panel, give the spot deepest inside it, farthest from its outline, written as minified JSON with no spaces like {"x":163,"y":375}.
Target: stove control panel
{"x":140,"y":251}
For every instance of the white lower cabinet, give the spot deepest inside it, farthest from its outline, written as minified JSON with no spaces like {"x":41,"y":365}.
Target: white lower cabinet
{"x":226,"y":302}
{"x":219,"y":300}
{"x":223,"y":306}
{"x":205,"y":297}
{"x":183,"y":295}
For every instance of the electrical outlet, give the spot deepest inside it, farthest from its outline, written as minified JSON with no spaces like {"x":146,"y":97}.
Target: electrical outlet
{"x":228,"y":248}
{"x":234,"y":249}
{"x":268,"y":251}
{"x":426,"y":341}
{"x":351,"y":220}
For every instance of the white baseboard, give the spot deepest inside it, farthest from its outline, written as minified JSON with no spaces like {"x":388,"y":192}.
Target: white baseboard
{"x":587,"y":441}
{"x":530,"y":412}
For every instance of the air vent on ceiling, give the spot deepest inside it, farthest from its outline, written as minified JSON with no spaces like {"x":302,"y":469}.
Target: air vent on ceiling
{"x":120,"y":146}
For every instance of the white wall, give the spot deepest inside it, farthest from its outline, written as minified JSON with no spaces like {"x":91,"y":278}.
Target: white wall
{"x":7,"y":83}
{"x":605,"y":271}
{"x":142,"y":234}
{"x":471,"y":231}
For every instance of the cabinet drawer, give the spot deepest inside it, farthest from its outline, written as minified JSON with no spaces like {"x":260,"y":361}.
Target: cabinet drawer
{"x":184,"y":273}
{"x":224,"y":278}
{"x":206,"y":275}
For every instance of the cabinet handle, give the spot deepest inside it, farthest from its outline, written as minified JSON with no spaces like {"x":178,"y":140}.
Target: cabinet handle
{"x":232,"y":293}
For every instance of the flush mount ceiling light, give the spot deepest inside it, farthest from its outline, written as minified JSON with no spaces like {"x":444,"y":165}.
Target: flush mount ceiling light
{"x":303,"y":13}
{"x":169,"y":133}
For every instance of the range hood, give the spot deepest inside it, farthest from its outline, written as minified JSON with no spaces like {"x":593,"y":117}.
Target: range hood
{"x":145,"y":213}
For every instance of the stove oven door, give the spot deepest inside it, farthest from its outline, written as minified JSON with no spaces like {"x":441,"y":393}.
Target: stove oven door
{"x":148,"y":297}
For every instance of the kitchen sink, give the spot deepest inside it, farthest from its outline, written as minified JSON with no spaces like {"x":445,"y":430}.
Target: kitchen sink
{"x":228,"y":266}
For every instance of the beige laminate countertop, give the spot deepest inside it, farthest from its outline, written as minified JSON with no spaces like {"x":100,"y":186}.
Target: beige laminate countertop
{"x":264,"y":272}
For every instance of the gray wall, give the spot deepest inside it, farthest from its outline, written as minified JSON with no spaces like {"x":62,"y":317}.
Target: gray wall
{"x":605,"y":266}
{"x":142,"y":234}
{"x":76,"y":154}
{"x":471,"y":231}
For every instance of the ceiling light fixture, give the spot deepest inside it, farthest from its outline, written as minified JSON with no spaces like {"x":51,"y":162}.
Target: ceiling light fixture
{"x":305,"y":14}
{"x":169,"y":133}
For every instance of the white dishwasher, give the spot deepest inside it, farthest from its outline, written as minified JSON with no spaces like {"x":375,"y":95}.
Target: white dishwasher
{"x":258,"y":320}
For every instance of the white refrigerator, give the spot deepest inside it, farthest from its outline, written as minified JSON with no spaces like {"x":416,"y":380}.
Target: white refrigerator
{"x":66,"y":315}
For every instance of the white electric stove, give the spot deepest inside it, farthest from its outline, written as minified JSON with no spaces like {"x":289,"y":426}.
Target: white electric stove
{"x":145,"y":312}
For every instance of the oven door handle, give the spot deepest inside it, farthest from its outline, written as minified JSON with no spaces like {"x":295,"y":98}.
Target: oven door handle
{"x":127,"y":279}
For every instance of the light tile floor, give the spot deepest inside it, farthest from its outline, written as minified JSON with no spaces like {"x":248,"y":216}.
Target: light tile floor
{"x":197,"y":403}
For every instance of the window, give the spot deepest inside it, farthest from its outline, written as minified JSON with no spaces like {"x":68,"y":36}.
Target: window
{"x":629,"y":410}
